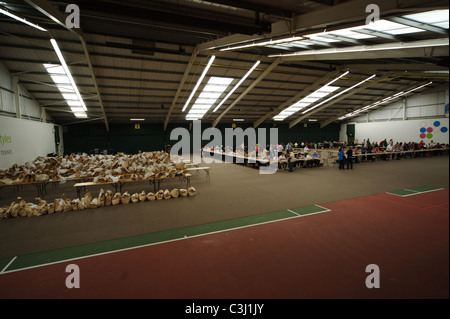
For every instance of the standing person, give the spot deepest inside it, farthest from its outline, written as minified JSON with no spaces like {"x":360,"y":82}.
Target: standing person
{"x":280,"y":149}
{"x":341,"y":158}
{"x":349,"y":155}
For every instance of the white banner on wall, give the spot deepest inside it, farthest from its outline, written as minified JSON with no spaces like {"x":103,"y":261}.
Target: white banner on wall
{"x":24,"y":140}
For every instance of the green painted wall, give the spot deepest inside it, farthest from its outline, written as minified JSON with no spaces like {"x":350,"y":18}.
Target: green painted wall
{"x":152,"y":137}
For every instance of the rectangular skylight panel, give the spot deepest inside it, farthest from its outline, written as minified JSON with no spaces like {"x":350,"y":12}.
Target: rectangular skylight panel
{"x":391,"y":27}
{"x":60,"y":79}
{"x":430,"y":17}
{"x":70,"y":96}
{"x":74,"y":103}
{"x":197,"y":111}
{"x":405,"y":30}
{"x":214,"y":88}
{"x":201,"y":106}
{"x":77,"y":109}
{"x":205,"y":101}
{"x":301,"y":104}
{"x":351,"y":34}
{"x":54,"y":68}
{"x":80,"y":115}
{"x":316,"y":36}
{"x":443,"y":25}
{"x":65,"y":88}
{"x":328,"y":88}
{"x":318,"y":94}
{"x":209,"y":95}
{"x":220,"y":80}
{"x":281,"y":47}
{"x":309,"y":99}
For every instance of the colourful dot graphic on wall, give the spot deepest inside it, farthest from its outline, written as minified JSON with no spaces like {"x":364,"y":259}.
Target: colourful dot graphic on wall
{"x":425,"y":132}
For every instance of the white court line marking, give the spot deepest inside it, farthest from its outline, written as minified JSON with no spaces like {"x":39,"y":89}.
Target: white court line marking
{"x":323,"y":211}
{"x":415,"y":192}
{"x":10,"y":262}
{"x":147,"y":245}
{"x":162,"y":242}
{"x":293,"y":212}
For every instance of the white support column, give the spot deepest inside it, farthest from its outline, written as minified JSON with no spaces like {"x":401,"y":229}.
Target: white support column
{"x":15,"y":85}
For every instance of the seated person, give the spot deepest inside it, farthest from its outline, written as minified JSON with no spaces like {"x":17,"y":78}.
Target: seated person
{"x":282,"y":161}
{"x":309,"y":160}
{"x":315,"y":158}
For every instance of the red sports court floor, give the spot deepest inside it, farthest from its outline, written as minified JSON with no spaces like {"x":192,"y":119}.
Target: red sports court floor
{"x":312,"y":256}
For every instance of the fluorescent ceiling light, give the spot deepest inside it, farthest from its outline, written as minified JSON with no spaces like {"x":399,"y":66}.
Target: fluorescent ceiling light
{"x":67,"y":71}
{"x":11,"y":15}
{"x":238,"y":120}
{"x":137,"y":119}
{"x":312,"y":120}
{"x":237,"y":85}
{"x":199,"y":81}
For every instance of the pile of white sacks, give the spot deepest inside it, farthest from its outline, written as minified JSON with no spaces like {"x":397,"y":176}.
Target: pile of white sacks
{"x":100,"y":168}
{"x":21,"y":208}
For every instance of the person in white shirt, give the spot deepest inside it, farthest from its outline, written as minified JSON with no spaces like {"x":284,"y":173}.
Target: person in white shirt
{"x":280,"y":149}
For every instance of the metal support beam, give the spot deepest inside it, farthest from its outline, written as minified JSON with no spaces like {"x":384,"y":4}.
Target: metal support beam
{"x":351,"y":11}
{"x":247,"y":90}
{"x":54,"y":14}
{"x":419,"y":25}
{"x":423,"y":48}
{"x":16,"y":88}
{"x":379,"y":34}
{"x":296,"y":97}
{"x":180,"y":86}
{"x":395,"y":67}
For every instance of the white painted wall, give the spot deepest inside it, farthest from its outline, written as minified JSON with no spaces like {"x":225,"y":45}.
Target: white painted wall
{"x":403,"y":131}
{"x":29,"y":109}
{"x":23,"y":140}
{"x":388,"y":122}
